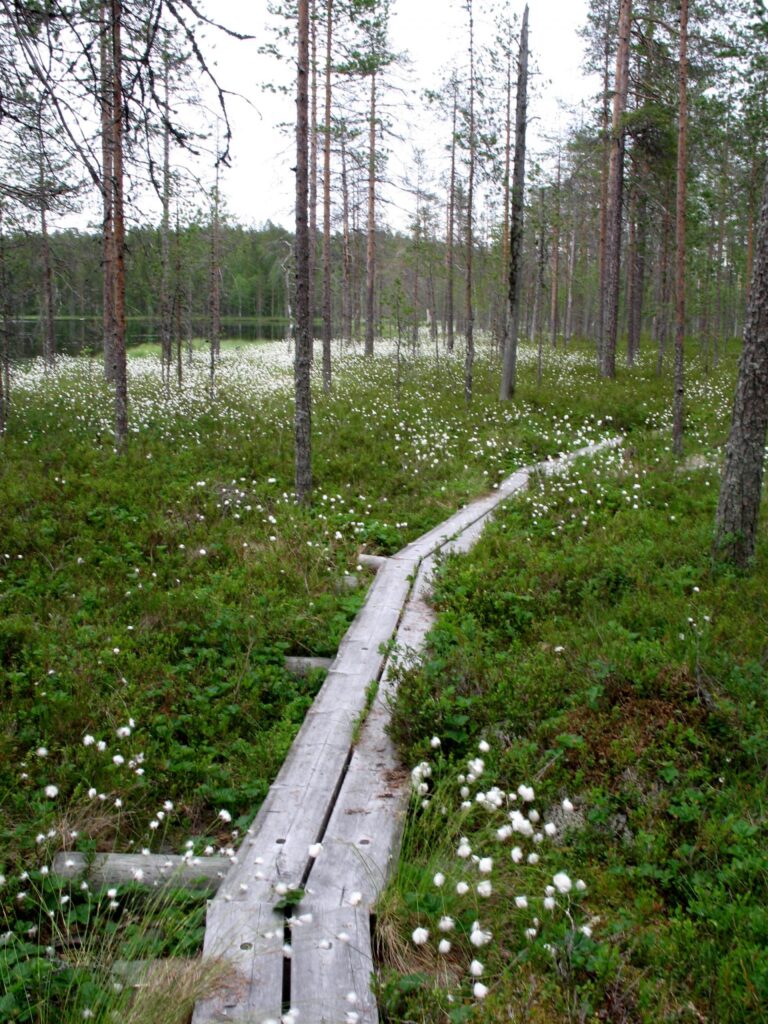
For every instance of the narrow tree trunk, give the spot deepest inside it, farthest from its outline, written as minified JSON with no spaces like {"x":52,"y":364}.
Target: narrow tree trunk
{"x":741,"y":486}
{"x":610,"y":304}
{"x":568,"y":329}
{"x":606,"y":157}
{"x":214,"y":282}
{"x":177,"y":303}
{"x":303,"y":359}
{"x":637,"y":283}
{"x":166,"y":313}
{"x":677,"y":409}
{"x":370,"y":255}
{"x":555,"y":261}
{"x":312,"y":168}
{"x":119,"y":372}
{"x":469,"y":356}
{"x":538,"y":297}
{"x":5,"y":332}
{"x":327,"y":325}
{"x":346,"y":254}
{"x":49,"y":332}
{"x":450,"y":234}
{"x":514,"y":288}
{"x":107,"y":191}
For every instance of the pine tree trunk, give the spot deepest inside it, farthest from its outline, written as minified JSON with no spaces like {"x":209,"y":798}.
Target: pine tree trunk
{"x":514,"y":286}
{"x":166,"y":312}
{"x":677,"y":407}
{"x":303,"y":359}
{"x":469,"y":356}
{"x":49,"y":332}
{"x":741,"y":486}
{"x":606,"y":157}
{"x":119,"y":368}
{"x":370,"y":254}
{"x":5,"y":333}
{"x":327,"y":324}
{"x":451,"y":230}
{"x":346,"y":254}
{"x":613,"y":220}
{"x":107,"y":189}
{"x":555,"y":262}
{"x":312,"y":168}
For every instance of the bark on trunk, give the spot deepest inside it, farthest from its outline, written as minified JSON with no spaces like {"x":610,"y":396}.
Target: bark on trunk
{"x":107,"y":192}
{"x":741,"y":487}
{"x":119,"y":368}
{"x":346,"y":254}
{"x":449,"y":260}
{"x":677,"y":406}
{"x":302,"y":365}
{"x":327,"y":325}
{"x":370,"y":255}
{"x":166,"y":310}
{"x":514,"y":286}
{"x":469,"y":355}
{"x":612,"y":267}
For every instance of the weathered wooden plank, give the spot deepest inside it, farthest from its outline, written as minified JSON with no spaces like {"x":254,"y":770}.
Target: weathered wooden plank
{"x":331,"y":965}
{"x":299,"y":666}
{"x":372,"y":561}
{"x":250,"y":938}
{"x":152,"y":870}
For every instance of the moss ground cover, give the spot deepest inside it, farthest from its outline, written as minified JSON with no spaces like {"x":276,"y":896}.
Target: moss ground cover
{"x":607,"y":667}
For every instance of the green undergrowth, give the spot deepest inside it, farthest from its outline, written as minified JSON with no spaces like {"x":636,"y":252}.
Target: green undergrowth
{"x":148,"y":599}
{"x":590,"y":640}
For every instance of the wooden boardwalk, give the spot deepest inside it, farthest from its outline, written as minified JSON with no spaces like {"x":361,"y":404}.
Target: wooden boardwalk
{"x":315,"y":957}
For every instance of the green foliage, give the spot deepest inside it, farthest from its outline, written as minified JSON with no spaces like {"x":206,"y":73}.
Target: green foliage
{"x":590,"y":639}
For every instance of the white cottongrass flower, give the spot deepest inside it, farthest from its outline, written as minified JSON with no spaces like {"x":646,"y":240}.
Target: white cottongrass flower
{"x":439,"y":879}
{"x":484,"y":889}
{"x":51,"y":791}
{"x":444,"y":946}
{"x":526,"y":793}
{"x":516,"y":854}
{"x":483,"y":746}
{"x":485,"y":865}
{"x":586,"y":930}
{"x":581,"y":885}
{"x":549,"y":903}
{"x":42,"y":751}
{"x":446,"y":923}
{"x":225,"y":816}
{"x":462,"y":888}
{"x":530,"y":933}
{"x":476,"y":969}
{"x":521,"y":902}
{"x":479,"y":990}
{"x":88,"y":740}
{"x":478,"y":937}
{"x":464,"y":850}
{"x":562,"y":882}
{"x":355,"y":898}
{"x":550,"y":828}
{"x":420,"y":936}
{"x":567,"y":806}
{"x":435,"y":742}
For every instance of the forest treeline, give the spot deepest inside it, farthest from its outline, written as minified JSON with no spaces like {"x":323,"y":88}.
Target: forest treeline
{"x":415,"y":277}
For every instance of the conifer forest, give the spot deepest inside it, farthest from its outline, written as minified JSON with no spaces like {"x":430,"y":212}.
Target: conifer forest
{"x":383,"y":552}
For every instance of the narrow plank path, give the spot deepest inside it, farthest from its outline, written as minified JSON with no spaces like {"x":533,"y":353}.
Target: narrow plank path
{"x":348,"y":797}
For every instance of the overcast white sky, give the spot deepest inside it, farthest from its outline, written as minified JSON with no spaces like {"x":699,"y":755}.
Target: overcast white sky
{"x":259,"y":185}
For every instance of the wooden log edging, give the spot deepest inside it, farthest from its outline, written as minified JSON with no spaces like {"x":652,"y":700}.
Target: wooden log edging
{"x":332,"y":820}
{"x":150,"y":870}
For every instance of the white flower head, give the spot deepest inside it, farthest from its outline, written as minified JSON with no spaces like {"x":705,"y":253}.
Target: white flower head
{"x":562,"y":882}
{"x":51,"y":791}
{"x":476,"y":969}
{"x":420,"y":936}
{"x":479,"y":990}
